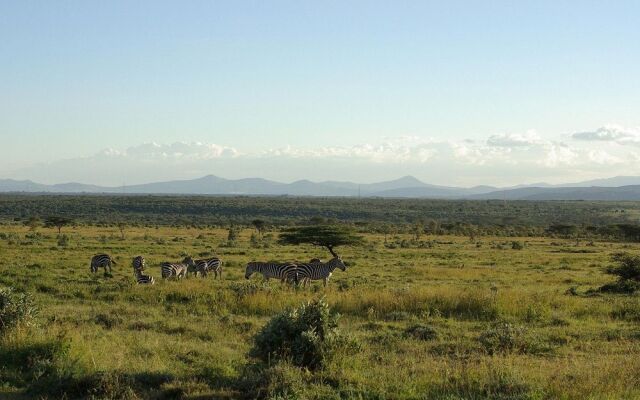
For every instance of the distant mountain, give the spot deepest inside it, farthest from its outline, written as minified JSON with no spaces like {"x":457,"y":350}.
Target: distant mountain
{"x":623,"y":193}
{"x":616,"y":181}
{"x":405,"y":187}
{"x":10,"y":185}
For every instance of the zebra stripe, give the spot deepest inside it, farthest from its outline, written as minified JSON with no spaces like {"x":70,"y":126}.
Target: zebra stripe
{"x":213,"y":264}
{"x":286,"y":272}
{"x":177,"y":270}
{"x":138,"y":263}
{"x":317,"y":270}
{"x":138,"y":267}
{"x":101,"y":261}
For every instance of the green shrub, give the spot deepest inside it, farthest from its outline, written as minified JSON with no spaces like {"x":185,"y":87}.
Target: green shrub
{"x":503,"y":337}
{"x":307,"y":336}
{"x":629,"y":311}
{"x":15,"y":309}
{"x":63,"y":240}
{"x":627,"y":269}
{"x":421,"y":332}
{"x":27,"y":361}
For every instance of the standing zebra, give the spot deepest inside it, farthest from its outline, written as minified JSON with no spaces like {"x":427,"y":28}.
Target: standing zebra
{"x":213,"y":264}
{"x":138,"y":268}
{"x":101,"y":261}
{"x":178,"y":270}
{"x":286,"y":272}
{"x":316,"y":270}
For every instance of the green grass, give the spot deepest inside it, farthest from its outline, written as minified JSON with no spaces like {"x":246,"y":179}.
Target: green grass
{"x":419,"y":316}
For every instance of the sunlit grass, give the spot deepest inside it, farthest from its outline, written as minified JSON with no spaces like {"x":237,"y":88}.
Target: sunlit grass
{"x":193,"y":336}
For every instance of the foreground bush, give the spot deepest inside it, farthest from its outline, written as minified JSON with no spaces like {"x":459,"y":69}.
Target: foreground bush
{"x":15,"y":309}
{"x":503,"y":338}
{"x":307,"y":336}
{"x":627,"y":269}
{"x":27,"y":361}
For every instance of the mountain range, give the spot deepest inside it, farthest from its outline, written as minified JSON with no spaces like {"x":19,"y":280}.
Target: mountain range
{"x":619,"y":188}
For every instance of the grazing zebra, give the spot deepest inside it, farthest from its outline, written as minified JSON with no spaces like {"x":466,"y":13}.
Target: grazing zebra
{"x":286,"y":272}
{"x":101,"y":261}
{"x":316,"y":270}
{"x":205,"y":266}
{"x":178,"y":270}
{"x":138,"y":268}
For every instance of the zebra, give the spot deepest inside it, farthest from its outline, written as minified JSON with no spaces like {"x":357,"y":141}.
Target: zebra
{"x":316,"y":270}
{"x":101,"y":261}
{"x":286,"y":272}
{"x":138,"y":268}
{"x":210,"y":264}
{"x":179,"y":270}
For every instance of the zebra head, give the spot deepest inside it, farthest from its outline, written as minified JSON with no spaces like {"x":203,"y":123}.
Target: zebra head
{"x":138,"y":263}
{"x":336,"y":262}
{"x":251,"y":268}
{"x":188,"y":261}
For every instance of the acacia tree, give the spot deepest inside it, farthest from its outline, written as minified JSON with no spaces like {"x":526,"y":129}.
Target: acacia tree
{"x":57,"y":222}
{"x":33,"y":223}
{"x":327,"y":236}
{"x":260,"y":226}
{"x":121,"y":227}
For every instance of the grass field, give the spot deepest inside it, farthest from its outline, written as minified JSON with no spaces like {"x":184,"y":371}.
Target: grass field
{"x":457,"y":319}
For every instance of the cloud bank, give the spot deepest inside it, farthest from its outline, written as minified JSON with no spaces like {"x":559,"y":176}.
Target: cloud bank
{"x":500,"y":159}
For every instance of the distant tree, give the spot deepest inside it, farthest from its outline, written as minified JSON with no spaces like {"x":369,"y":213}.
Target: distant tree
{"x":57,"y":222}
{"x":254,"y":241}
{"x":317,"y":220}
{"x":386,"y":229}
{"x":433,"y":227}
{"x":563,"y":230}
{"x":327,"y":236}
{"x":629,"y":232}
{"x":33,"y":223}
{"x":232,"y":236}
{"x":260,"y":226}
{"x":418,"y":229}
{"x":121,"y":227}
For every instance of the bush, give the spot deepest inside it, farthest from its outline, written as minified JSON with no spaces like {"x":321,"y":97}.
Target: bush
{"x":421,"y":332}
{"x":503,"y":337}
{"x":307,"y":336}
{"x":26,"y":362}
{"x":627,"y":269}
{"x":15,"y":309}
{"x":63,"y":240}
{"x":629,"y":311}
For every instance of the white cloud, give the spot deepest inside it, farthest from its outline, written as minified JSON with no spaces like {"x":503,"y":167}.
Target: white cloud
{"x":499,"y":159}
{"x":611,"y":133}
{"x":391,"y":151}
{"x":559,"y":154}
{"x":175,"y":151}
{"x":603,"y":158}
{"x":529,"y":138}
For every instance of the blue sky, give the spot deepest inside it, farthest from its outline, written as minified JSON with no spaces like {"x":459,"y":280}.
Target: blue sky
{"x":80,"y":77}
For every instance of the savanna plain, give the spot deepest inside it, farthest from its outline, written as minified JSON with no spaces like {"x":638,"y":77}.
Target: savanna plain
{"x":420,"y":314}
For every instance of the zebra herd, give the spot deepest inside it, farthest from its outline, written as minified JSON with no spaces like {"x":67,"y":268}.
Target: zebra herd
{"x":296,"y":272}
{"x":292,"y":273}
